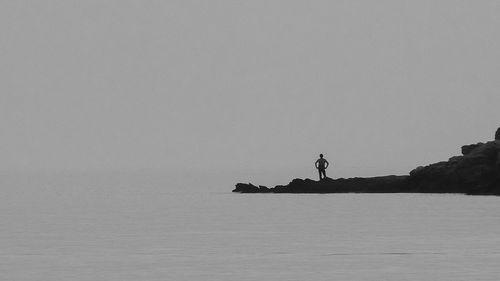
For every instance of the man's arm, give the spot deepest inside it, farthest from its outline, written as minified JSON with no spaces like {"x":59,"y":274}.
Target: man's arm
{"x":327,"y":164}
{"x":316,"y":163}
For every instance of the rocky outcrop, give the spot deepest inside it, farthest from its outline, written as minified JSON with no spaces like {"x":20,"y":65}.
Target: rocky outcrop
{"x":466,"y":149}
{"x":387,"y":184}
{"x":477,"y":171}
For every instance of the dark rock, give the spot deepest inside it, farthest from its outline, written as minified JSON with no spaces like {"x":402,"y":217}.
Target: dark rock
{"x":466,"y":149}
{"x":416,"y":170}
{"x":455,"y":159}
{"x":246,"y":188}
{"x":476,"y":172}
{"x":366,"y":185}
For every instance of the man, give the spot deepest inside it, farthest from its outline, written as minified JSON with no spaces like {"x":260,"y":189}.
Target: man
{"x":321,"y":164}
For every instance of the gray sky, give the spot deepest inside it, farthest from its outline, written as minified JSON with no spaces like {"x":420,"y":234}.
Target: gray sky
{"x":379,"y":87}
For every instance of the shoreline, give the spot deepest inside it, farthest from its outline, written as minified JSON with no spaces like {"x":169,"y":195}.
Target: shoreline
{"x":475,"y":172}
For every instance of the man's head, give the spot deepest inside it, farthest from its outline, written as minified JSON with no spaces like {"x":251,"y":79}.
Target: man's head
{"x":321,"y":156}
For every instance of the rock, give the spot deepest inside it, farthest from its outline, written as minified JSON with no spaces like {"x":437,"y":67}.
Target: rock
{"x":476,"y":172}
{"x":416,"y":170}
{"x":246,"y":188}
{"x":366,"y":185}
{"x":455,"y":159}
{"x":466,"y":149}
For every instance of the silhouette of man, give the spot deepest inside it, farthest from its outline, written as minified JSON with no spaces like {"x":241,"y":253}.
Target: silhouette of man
{"x":321,"y":164}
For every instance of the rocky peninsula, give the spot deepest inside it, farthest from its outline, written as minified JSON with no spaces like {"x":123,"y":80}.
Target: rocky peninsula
{"x":475,"y":172}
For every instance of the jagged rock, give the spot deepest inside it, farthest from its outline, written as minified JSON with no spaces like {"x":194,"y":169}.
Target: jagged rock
{"x":476,"y":172}
{"x":455,"y":159}
{"x":246,"y":188}
{"x":416,"y":170}
{"x":366,"y":185}
{"x":466,"y":149}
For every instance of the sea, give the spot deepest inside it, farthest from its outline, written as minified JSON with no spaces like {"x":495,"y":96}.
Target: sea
{"x":142,"y":227}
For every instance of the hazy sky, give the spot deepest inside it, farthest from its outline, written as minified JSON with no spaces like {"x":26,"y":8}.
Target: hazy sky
{"x":379,"y":87}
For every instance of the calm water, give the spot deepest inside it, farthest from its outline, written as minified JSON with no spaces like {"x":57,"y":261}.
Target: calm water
{"x":110,"y":230}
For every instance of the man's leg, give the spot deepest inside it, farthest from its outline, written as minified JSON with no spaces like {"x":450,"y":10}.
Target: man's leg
{"x":324,"y":174}
{"x":321,"y":174}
